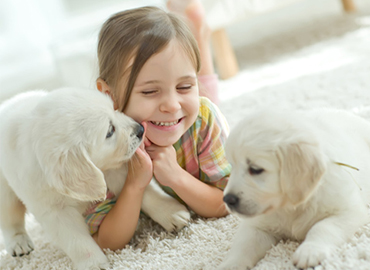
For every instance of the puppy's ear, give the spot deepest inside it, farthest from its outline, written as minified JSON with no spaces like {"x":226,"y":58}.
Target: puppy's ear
{"x":73,"y":174}
{"x":301,"y":168}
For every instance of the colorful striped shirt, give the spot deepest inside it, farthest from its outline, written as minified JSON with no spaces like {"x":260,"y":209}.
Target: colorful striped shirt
{"x":200,"y":151}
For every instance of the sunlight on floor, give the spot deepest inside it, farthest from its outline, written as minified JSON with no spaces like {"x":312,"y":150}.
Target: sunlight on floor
{"x":365,"y":21}
{"x":315,"y":59}
{"x":249,"y":80}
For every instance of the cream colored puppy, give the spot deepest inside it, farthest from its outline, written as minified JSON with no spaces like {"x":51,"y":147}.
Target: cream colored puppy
{"x":59,"y":152}
{"x":303,"y":176}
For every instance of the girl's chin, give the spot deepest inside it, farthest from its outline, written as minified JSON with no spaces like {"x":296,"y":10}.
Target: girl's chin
{"x":164,"y":137}
{"x":162,"y":141}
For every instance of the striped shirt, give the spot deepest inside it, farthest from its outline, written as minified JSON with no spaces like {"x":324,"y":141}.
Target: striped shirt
{"x":200,"y":151}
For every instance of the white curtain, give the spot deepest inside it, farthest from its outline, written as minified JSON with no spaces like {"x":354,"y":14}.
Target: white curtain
{"x":52,"y":43}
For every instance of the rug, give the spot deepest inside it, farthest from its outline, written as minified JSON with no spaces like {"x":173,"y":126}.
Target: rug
{"x":321,"y":63}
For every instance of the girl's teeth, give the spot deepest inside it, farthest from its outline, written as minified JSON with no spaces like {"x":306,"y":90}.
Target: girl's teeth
{"x":167,"y":124}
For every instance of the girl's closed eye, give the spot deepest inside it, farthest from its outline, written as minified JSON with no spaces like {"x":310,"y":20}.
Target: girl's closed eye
{"x":186,"y":83}
{"x":149,"y":92}
{"x":184,"y":87}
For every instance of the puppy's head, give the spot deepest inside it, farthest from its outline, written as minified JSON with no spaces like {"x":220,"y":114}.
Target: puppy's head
{"x":276,"y":163}
{"x":77,"y":134}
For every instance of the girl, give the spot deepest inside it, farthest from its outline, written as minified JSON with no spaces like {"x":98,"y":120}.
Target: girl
{"x":148,"y":61}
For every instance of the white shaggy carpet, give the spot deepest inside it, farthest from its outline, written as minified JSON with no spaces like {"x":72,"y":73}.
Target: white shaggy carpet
{"x":320,"y":63}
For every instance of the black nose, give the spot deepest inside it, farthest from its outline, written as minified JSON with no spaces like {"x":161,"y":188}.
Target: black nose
{"x":139,"y":131}
{"x":231,"y":200}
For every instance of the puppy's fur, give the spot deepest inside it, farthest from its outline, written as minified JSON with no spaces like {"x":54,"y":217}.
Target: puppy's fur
{"x":59,"y":152}
{"x":290,"y":180}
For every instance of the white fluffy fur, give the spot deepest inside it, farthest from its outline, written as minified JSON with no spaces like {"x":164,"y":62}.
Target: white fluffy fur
{"x":286,"y":183}
{"x":55,"y":159}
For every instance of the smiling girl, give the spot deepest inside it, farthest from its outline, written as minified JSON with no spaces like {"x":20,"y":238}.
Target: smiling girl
{"x":149,"y":63}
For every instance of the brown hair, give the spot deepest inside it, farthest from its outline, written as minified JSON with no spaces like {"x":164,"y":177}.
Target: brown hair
{"x":129,"y":38}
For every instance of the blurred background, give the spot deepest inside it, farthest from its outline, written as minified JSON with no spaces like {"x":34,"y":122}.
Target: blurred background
{"x":45,"y":44}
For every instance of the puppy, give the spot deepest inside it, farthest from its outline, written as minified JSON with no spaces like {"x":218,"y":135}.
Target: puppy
{"x":303,"y":176}
{"x":55,"y":149}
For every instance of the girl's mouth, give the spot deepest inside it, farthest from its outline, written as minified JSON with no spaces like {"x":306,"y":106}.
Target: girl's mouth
{"x":166,"y":124}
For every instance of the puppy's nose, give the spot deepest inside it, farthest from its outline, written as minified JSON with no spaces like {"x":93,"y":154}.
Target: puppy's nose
{"x":231,"y":200}
{"x":139,"y":131}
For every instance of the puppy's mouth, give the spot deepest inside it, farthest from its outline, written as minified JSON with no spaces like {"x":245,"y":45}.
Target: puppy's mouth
{"x":249,"y":209}
{"x":252,"y":212}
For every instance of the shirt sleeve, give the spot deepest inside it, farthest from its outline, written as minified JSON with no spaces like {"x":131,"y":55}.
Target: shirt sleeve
{"x":214,"y":168}
{"x":95,"y":214}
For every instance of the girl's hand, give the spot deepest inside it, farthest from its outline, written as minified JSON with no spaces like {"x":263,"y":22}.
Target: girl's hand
{"x":165,"y":164}
{"x":140,"y":168}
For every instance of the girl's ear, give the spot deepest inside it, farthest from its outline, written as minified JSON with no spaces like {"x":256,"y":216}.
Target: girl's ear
{"x":105,"y":89}
{"x":102,"y":86}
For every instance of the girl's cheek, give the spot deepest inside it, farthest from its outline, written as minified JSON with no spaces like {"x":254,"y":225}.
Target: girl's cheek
{"x":137,"y":111}
{"x":195,"y":103}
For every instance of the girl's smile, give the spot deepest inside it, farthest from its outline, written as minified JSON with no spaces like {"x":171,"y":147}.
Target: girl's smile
{"x":168,"y":125}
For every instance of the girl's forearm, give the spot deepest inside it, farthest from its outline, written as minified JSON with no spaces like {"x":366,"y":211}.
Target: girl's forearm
{"x":119,"y":225}
{"x":203,"y":199}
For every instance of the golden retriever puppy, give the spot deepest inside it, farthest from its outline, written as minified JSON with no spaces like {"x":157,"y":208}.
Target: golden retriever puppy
{"x":60,"y":151}
{"x":303,"y":176}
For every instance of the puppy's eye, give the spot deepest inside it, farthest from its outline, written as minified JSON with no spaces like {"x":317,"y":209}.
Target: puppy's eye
{"x":111,"y":131}
{"x":255,"y":171}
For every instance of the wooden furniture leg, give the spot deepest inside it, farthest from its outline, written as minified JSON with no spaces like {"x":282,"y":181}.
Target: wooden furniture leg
{"x":225,"y":59}
{"x":348,"y":5}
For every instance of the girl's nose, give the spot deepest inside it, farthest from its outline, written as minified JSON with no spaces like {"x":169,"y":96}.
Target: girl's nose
{"x":170,"y":104}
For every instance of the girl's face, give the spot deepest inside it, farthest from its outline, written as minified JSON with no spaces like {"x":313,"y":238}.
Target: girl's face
{"x":165,"y":95}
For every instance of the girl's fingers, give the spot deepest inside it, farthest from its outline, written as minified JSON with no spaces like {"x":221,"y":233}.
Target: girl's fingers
{"x":147,"y":142}
{"x":141,"y":153}
{"x":142,"y":145}
{"x":144,"y":124}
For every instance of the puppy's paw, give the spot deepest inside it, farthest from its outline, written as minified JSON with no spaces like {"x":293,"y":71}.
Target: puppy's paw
{"x":172,"y":217}
{"x":104,"y":266}
{"x":19,"y":245}
{"x":94,"y":262}
{"x":310,"y":254}
{"x":234,"y":264}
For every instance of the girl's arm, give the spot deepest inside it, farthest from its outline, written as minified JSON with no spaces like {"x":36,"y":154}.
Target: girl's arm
{"x":119,"y":225}
{"x":203,"y":199}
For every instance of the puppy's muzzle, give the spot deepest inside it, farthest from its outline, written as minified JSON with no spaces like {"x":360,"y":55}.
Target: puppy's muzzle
{"x":139,"y":131}
{"x":231,"y":200}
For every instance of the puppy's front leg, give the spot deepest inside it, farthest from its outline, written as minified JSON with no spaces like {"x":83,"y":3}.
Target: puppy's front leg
{"x":163,"y":208}
{"x":12,"y":211}
{"x":325,"y":236}
{"x":69,"y":231}
{"x":249,"y":246}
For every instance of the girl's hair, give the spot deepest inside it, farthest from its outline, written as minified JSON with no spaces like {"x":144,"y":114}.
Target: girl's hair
{"x":129,"y":38}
